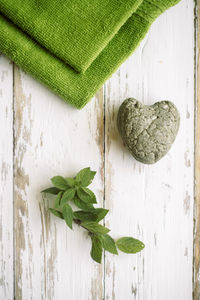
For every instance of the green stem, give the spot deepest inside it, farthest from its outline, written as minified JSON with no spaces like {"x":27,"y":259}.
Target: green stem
{"x":78,"y":222}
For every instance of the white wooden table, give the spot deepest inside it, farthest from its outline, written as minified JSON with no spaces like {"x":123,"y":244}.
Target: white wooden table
{"x":42,"y":136}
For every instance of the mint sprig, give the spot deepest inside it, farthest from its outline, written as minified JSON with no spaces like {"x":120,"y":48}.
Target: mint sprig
{"x":75,"y":190}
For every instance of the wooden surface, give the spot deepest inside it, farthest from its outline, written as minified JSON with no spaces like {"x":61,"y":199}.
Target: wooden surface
{"x":42,"y":136}
{"x":196,"y":252}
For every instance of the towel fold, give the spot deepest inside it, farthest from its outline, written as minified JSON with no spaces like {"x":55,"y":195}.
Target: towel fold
{"x":74,"y":46}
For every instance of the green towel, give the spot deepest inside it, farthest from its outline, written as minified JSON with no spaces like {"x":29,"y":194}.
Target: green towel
{"x":74,"y":57}
{"x":76,"y":31}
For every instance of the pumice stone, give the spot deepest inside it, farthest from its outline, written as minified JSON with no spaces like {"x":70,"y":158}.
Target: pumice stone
{"x":148,"y":131}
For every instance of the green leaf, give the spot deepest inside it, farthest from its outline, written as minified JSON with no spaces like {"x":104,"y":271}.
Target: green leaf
{"x":68,"y":214}
{"x":92,"y":215}
{"x":129,"y":245}
{"x":85,"y":177}
{"x":59,"y":182}
{"x":101,"y":213}
{"x":82,"y":205}
{"x":96,"y":251}
{"x":56,"y":213}
{"x":86,"y":195}
{"x":67,"y":196}
{"x":85,"y":215}
{"x":95,"y":227}
{"x":92,"y":195}
{"x":108,"y":243}
{"x":51,"y":190}
{"x":57,"y":200}
{"x":70,"y":181}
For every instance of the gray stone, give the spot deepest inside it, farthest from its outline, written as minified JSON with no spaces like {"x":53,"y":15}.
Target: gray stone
{"x":148,"y":131}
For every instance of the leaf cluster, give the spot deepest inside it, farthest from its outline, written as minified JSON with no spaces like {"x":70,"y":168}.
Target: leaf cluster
{"x":75,"y":190}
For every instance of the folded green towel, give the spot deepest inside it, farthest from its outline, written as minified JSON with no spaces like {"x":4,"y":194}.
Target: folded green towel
{"x":29,"y":39}
{"x":76,"y":31}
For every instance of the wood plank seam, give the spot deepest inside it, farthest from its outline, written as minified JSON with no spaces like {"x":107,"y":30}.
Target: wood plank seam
{"x":104,"y":186}
{"x":13,"y":187}
{"x":196,"y":253}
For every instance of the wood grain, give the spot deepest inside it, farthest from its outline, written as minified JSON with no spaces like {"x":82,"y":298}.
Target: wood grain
{"x":53,"y":138}
{"x":197,"y":163}
{"x":6,"y":179}
{"x":154,"y":203}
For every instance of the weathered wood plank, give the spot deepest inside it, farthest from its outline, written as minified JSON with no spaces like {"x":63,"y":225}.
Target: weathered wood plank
{"x":6,"y":179}
{"x":197,"y":165}
{"x":52,"y":138}
{"x":154,"y":203}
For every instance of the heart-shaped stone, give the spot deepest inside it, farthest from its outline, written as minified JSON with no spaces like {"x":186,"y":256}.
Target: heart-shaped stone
{"x":148,"y":131}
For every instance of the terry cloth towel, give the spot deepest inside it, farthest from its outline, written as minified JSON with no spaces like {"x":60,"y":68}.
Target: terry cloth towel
{"x":74,"y":46}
